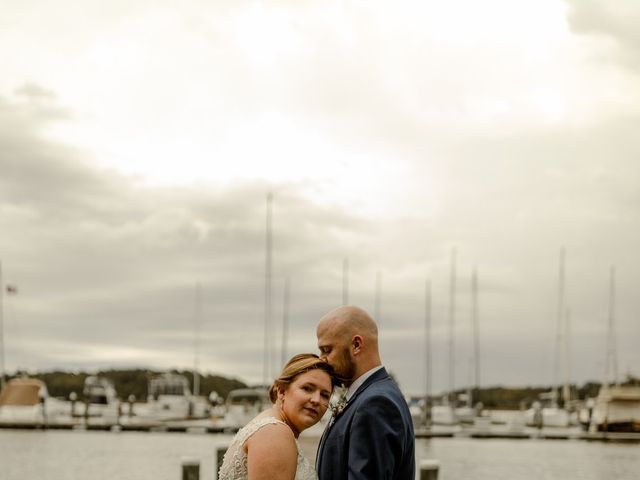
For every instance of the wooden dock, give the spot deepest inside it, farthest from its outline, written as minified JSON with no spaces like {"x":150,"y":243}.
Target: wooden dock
{"x":212,"y":426}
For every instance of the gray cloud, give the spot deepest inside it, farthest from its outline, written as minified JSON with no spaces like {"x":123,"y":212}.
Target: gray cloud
{"x":107,"y":268}
{"x":617,"y":21}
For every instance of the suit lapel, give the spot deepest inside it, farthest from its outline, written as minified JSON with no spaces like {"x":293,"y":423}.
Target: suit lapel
{"x":375,"y":377}
{"x":378,"y":375}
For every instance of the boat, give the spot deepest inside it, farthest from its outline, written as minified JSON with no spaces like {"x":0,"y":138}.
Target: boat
{"x":242,"y":405}
{"x":546,"y":413}
{"x":464,"y":412}
{"x":617,"y":406}
{"x":616,"y":409}
{"x":416,"y":405}
{"x":26,"y":402}
{"x":100,"y":398}
{"x":169,"y":398}
{"x":443,"y":415}
{"x":548,"y":410}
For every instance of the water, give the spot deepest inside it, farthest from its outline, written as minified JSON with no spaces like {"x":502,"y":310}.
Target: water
{"x":499,"y":459}
{"x":71,"y":455}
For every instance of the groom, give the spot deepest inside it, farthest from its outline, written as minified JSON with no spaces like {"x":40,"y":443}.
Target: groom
{"x":372,"y":436}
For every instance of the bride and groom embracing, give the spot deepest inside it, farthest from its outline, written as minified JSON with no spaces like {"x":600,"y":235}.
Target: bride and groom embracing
{"x":370,"y":435}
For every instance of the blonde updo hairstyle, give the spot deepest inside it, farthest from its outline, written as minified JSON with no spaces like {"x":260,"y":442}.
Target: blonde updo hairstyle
{"x":298,"y":365}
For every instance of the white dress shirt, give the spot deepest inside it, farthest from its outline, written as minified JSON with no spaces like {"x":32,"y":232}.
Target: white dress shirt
{"x":360,"y":380}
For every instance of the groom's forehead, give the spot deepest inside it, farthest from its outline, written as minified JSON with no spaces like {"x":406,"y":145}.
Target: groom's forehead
{"x":326,"y":336}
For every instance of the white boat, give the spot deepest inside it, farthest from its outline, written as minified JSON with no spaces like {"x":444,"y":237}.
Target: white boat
{"x":242,"y":405}
{"x":443,"y":415}
{"x":616,"y":409}
{"x":169,"y":398}
{"x":466,"y":414}
{"x":26,"y":401}
{"x":100,"y":399}
{"x":416,"y":405}
{"x":546,"y":413}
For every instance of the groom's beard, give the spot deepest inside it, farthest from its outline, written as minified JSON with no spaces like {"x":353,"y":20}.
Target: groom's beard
{"x":346,"y":369}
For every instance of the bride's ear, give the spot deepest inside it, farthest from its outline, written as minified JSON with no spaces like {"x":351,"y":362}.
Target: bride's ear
{"x":281,"y":391}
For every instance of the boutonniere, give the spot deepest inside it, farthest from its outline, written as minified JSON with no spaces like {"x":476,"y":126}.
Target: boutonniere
{"x":338,"y":404}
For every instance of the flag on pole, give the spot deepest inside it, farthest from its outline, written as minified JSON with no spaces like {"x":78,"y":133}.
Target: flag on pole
{"x":12,"y":289}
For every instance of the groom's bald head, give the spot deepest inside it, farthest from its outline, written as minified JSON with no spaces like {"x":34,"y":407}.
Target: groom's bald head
{"x":348,"y":340}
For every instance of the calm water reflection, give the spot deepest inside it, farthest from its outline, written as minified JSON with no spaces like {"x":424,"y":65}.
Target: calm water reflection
{"x":497,"y":459}
{"x":66,"y":455}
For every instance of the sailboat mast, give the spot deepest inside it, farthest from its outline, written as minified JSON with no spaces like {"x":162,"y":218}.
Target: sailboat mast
{"x":559,"y":318}
{"x":427,"y":351}
{"x":196,"y":339}
{"x":345,"y":281}
{"x":377,"y":298}
{"x":267,"y":296}
{"x":1,"y":329}
{"x":476,"y":333}
{"x":612,"y":357}
{"x":566,"y":364}
{"x":452,"y":316}
{"x":285,"y":321}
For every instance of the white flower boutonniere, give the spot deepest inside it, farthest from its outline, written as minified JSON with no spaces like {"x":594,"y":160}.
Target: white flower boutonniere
{"x":338,"y":403}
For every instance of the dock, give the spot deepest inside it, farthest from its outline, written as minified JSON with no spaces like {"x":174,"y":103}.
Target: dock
{"x":215,"y":426}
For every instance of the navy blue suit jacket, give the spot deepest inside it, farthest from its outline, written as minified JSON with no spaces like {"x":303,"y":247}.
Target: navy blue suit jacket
{"x":372,"y":438}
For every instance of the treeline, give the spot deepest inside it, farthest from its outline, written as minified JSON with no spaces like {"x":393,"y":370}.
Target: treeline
{"x":130,"y":382}
{"x":510,"y":398}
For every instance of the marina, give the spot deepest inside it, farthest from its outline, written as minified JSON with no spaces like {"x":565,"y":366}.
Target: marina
{"x":238,"y":415}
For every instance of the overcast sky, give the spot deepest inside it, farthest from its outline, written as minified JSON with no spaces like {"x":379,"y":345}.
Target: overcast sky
{"x":139,"y":140}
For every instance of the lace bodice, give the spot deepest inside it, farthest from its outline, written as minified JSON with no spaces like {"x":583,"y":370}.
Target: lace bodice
{"x":234,"y":465}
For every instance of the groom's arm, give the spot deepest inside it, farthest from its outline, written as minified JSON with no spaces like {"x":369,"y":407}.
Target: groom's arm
{"x":376,"y":440}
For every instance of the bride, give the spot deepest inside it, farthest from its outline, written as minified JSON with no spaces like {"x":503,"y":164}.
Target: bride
{"x":267,"y":447}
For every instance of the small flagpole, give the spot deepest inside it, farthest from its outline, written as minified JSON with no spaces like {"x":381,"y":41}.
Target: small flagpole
{"x":1,"y":329}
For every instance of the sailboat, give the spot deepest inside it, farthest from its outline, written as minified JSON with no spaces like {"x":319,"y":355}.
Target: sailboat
{"x":445,"y":414}
{"x":466,"y":413}
{"x":547,"y":411}
{"x":617,"y":407}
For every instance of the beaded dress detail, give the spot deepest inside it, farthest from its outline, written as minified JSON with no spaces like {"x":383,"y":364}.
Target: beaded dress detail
{"x":234,"y":465}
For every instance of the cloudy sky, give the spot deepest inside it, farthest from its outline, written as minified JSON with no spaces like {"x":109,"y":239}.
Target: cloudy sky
{"x":139,"y":140}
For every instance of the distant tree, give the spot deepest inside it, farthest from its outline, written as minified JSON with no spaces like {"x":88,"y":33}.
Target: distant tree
{"x":61,"y":384}
{"x":588,"y":390}
{"x":631,"y":380}
{"x":129,"y":382}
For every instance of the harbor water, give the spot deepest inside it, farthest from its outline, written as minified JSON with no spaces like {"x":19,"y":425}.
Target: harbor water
{"x":74,"y":455}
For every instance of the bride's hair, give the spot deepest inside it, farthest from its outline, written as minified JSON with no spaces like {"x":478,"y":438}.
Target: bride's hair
{"x":299,"y":364}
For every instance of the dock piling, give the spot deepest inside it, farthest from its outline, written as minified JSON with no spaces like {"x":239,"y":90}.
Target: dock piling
{"x":220,"y":451}
{"x":190,"y":469}
{"x":429,"y":469}
{"x":131,"y":400}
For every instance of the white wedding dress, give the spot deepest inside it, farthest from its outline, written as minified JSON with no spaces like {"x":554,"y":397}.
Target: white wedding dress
{"x":234,"y":465}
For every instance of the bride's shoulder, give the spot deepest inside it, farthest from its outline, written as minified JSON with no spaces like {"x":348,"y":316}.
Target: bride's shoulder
{"x":272,"y":428}
{"x":272,"y":449}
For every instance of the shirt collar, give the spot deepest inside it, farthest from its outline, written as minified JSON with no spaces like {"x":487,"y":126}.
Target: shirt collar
{"x":359,"y":381}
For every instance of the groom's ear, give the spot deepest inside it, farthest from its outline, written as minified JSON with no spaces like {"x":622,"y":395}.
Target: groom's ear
{"x":357,"y":343}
